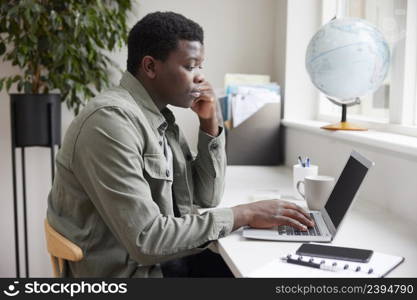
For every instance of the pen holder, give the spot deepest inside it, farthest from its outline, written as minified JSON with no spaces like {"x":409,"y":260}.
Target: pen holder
{"x":299,"y":173}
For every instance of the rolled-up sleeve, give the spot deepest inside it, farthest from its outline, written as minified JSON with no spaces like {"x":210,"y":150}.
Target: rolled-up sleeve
{"x":209,"y":169}
{"x":109,"y":165}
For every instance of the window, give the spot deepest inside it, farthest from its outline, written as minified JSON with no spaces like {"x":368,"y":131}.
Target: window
{"x":395,"y":102}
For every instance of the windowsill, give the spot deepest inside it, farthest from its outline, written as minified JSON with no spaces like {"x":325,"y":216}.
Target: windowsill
{"x":382,"y":140}
{"x":378,"y":124}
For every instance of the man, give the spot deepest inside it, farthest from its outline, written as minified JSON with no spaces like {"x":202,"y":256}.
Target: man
{"x":127,"y":186}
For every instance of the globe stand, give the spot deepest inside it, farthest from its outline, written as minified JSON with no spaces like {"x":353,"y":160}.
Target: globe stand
{"x":343,"y":124}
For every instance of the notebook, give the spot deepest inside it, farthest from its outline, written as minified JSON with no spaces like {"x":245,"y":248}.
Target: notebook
{"x":380,"y":263}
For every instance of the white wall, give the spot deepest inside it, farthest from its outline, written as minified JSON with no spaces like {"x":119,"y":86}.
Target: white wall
{"x":280,"y":45}
{"x":303,"y":20}
{"x":240,"y":36}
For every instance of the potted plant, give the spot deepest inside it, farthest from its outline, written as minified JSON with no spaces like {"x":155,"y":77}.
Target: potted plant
{"x":59,"y":48}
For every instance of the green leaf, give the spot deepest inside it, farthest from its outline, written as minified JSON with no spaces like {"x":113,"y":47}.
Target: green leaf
{"x":16,"y":78}
{"x":2,"y":48}
{"x":12,"y":12}
{"x":9,"y":82}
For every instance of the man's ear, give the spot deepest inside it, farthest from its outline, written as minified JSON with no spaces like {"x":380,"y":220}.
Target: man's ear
{"x":149,"y":66}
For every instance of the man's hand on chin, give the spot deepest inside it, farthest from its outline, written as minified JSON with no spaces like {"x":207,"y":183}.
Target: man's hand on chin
{"x":205,"y":107}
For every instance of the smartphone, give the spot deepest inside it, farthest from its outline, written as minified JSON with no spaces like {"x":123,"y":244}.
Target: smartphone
{"x":333,"y":252}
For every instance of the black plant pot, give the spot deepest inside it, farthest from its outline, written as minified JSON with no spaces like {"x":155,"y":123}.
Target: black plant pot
{"x":36,"y":119}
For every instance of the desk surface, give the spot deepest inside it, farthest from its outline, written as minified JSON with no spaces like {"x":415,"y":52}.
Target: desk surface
{"x":365,"y":226}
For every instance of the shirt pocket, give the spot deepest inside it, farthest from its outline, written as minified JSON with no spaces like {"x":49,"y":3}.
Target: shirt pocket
{"x":157,"y":167}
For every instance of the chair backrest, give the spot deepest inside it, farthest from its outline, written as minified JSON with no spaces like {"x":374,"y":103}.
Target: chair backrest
{"x":60,"y":249}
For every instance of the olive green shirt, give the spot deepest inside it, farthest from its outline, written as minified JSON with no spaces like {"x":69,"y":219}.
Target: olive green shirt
{"x":115,"y":191}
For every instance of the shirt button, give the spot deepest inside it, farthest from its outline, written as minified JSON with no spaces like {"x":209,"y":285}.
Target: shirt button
{"x":214,"y":146}
{"x":168,"y":173}
{"x":160,"y":143}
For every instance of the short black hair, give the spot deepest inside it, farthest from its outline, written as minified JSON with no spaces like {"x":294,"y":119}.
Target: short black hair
{"x":157,"y":34}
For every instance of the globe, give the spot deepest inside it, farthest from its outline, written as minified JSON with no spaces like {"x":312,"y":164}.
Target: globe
{"x":347,"y":58}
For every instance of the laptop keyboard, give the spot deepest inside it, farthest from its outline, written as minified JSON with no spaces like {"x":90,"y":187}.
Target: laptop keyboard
{"x":288,"y":230}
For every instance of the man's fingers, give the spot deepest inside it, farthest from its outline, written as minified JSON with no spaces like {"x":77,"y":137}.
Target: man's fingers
{"x":294,"y":214}
{"x":204,"y":97}
{"x":283,"y":220}
{"x":296,"y":207}
{"x":205,"y":90}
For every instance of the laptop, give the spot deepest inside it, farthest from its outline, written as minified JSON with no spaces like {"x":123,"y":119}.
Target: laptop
{"x":329,"y":218}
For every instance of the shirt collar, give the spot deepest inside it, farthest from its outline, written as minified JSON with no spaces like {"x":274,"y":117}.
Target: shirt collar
{"x":143,"y":99}
{"x":168,"y":115}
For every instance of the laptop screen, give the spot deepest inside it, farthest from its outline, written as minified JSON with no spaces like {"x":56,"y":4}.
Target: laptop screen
{"x":345,"y":190}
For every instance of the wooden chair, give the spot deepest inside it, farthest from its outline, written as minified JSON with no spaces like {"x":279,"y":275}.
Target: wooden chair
{"x":60,"y":249}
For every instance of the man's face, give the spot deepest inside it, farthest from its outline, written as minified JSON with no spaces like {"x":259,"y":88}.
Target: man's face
{"x":178,"y":77}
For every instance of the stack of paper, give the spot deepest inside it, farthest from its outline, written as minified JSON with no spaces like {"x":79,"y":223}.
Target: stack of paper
{"x":245,"y":95}
{"x":248,"y":100}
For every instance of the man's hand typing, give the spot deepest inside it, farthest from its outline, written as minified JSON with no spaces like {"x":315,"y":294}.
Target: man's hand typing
{"x":269,"y":213}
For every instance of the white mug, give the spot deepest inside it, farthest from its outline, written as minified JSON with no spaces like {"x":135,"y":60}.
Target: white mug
{"x":316,"y":190}
{"x":299,"y":173}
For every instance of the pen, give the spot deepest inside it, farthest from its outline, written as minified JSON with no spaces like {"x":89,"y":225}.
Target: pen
{"x":308,"y":162}
{"x":300,"y":161}
{"x":309,"y":263}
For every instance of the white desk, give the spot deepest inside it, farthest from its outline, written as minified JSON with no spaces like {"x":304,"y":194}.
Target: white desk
{"x":364,"y":226}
